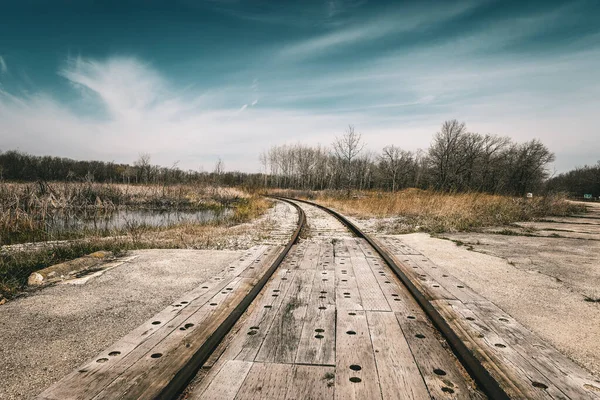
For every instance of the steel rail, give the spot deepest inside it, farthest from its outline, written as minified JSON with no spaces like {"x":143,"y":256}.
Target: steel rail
{"x":184,"y":376}
{"x":471,"y":363}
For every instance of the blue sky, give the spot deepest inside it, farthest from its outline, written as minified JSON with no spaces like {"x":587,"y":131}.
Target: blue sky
{"x":191,"y":81}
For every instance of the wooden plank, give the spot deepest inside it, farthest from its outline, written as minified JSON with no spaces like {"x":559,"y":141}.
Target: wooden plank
{"x":450,"y":287}
{"x":399,"y":299}
{"x":399,"y":376}
{"x":513,"y":372}
{"x":354,"y":350}
{"x":93,"y":376}
{"x":311,"y":382}
{"x":317,"y":340}
{"x":266,"y":381}
{"x":370,"y":292}
{"x":346,"y":291}
{"x":558,"y":370}
{"x":226,"y":383}
{"x":326,"y":256}
{"x":443,"y":375}
{"x":155,"y":366}
{"x":311,"y":256}
{"x":246,"y":345}
{"x":282,"y":339}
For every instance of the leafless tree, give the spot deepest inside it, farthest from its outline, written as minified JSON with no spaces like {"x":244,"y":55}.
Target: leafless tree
{"x":346,"y":149}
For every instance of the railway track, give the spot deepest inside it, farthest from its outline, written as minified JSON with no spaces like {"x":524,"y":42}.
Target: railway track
{"x":330,"y":316}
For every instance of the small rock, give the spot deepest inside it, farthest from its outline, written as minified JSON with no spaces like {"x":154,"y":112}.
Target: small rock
{"x":2,"y":301}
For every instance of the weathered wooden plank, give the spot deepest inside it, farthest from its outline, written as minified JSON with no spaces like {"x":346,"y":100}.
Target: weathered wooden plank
{"x":311,"y":382}
{"x":395,"y":293}
{"x":441,"y":371}
{"x":513,"y":372}
{"x":558,"y":370}
{"x":356,"y":372}
{"x":326,"y":256}
{"x":317,"y":340}
{"x":370,"y":292}
{"x":346,"y":291}
{"x":399,"y":376}
{"x":282,"y":339}
{"x":226,"y":382}
{"x":157,"y":365}
{"x":266,"y":381}
{"x":246,"y":345}
{"x":93,"y":376}
{"x":449,"y":286}
{"x":311,"y":256}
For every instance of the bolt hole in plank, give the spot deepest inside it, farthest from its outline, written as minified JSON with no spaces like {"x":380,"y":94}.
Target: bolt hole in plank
{"x":268,"y":306}
{"x":319,"y":336}
{"x":351,"y":333}
{"x":319,"y":330}
{"x":114,"y":353}
{"x":156,"y":355}
{"x":470,"y":318}
{"x":102,"y":360}
{"x":322,"y":308}
{"x":539,"y":385}
{"x":155,"y":322}
{"x":503,"y":320}
{"x":439,"y":372}
{"x":351,"y":313}
{"x":447,"y":390}
{"x":184,"y":302}
{"x":213,"y":304}
{"x":252,"y":333}
{"x":411,"y":317}
{"x":420,"y":336}
{"x":500,"y":345}
{"x":355,"y":379}
{"x":355,"y":367}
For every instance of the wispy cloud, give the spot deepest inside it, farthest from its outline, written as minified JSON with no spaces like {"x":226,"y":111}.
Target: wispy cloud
{"x":3,"y":66}
{"x":374,"y":28}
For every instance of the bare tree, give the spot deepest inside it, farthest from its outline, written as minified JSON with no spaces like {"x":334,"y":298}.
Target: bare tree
{"x":346,"y":149}
{"x":144,"y":167}
{"x":219,"y":167}
{"x":396,"y":165}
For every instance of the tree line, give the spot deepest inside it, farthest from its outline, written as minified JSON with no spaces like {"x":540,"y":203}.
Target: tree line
{"x":580,"y":181}
{"x":457,"y":160}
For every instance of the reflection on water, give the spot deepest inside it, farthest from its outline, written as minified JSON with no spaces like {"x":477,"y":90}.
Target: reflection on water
{"x":129,"y":218}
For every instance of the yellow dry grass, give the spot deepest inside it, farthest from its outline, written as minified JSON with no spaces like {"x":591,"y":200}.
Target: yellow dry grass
{"x":423,"y":210}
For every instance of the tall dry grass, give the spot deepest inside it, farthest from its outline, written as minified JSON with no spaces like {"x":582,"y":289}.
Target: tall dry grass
{"x":27,"y":208}
{"x":19,"y":261}
{"x":422,"y":210}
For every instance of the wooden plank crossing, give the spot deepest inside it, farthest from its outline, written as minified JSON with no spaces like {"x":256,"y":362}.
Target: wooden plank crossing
{"x":338,"y":329}
{"x":524,"y":365}
{"x":137,"y":365}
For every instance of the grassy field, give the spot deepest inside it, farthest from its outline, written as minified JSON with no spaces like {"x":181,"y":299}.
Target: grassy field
{"x":25,"y":208}
{"x":414,"y":210}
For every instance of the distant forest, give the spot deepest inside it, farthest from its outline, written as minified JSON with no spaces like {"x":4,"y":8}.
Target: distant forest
{"x":457,"y":160}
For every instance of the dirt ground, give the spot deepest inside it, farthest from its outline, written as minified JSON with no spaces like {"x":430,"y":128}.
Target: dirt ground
{"x":47,"y":333}
{"x":549,"y":283}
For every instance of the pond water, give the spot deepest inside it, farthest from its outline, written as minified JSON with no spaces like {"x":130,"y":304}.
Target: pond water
{"x":130,"y":218}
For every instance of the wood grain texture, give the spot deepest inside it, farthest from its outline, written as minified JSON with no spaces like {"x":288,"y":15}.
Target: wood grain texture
{"x":354,"y":348}
{"x":399,"y":376}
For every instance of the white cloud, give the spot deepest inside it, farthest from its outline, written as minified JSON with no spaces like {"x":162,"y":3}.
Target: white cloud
{"x":255,"y":102}
{"x":244,"y":107}
{"x":3,"y":66}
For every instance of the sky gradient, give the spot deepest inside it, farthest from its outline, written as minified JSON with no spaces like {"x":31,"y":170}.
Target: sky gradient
{"x":192,"y":81}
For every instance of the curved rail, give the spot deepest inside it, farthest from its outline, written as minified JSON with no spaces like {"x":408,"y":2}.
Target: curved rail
{"x":473,"y":366}
{"x":186,"y":374}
